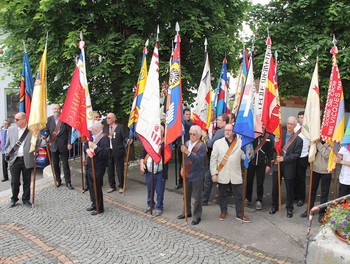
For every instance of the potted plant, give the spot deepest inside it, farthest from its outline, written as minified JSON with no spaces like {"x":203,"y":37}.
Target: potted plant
{"x":337,"y":218}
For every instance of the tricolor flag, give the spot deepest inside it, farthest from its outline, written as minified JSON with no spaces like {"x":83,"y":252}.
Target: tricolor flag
{"x":222,"y":92}
{"x":77,"y":109}
{"x":271,"y":113}
{"x":202,"y":110}
{"x":264,"y":76}
{"x":174,"y":117}
{"x":333,"y":123}
{"x":38,"y":110}
{"x":311,"y":122}
{"x":140,"y":87}
{"x":26,"y":87}
{"x":148,"y":125}
{"x":346,"y":139}
{"x":244,"y":124}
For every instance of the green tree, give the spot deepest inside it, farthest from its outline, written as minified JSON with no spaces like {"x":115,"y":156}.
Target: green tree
{"x":300,"y":31}
{"x":115,"y":32}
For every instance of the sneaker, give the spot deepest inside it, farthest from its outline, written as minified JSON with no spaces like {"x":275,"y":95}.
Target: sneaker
{"x":222,"y":217}
{"x":110,"y":190}
{"x":243,"y":219}
{"x":147,"y":210}
{"x":158,"y":212}
{"x":247,"y":203}
{"x":258,"y":205}
{"x":120,"y":190}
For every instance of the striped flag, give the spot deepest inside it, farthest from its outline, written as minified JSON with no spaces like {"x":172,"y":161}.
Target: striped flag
{"x":38,"y":110}
{"x":311,"y":122}
{"x":244,"y":124}
{"x":77,"y":109}
{"x":148,"y":124}
{"x":222,"y":92}
{"x":202,"y":110}
{"x":26,"y":86}
{"x":140,"y":87}
{"x":174,"y":117}
{"x":333,"y":123}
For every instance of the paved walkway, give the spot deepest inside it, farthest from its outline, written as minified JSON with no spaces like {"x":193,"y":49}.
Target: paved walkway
{"x":58,"y":229}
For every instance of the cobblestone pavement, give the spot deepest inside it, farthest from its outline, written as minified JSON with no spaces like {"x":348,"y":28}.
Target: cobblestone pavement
{"x":58,"y":229}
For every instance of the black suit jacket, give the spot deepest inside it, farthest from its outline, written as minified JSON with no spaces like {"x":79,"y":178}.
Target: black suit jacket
{"x":102,"y":154}
{"x":63,"y":137}
{"x":119,"y":139}
{"x":289,"y":165}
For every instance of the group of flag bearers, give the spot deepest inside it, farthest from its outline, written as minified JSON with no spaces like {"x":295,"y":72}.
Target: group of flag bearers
{"x":254,"y":107}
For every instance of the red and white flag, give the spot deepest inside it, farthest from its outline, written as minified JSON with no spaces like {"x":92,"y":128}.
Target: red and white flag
{"x":148,"y":124}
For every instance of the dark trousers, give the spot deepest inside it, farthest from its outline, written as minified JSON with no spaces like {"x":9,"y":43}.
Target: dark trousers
{"x":56,"y":157}
{"x":237,"y":190}
{"x":99,"y":182}
{"x":299,"y":185}
{"x":290,"y":191}
{"x":194,"y":189}
{"x":325,"y":180}
{"x":16,"y":169}
{"x":158,"y":189}
{"x":260,"y":178}
{"x":179,"y":158}
{"x":5,"y":173}
{"x":116,"y":164}
{"x":343,"y":190}
{"x":208,"y":185}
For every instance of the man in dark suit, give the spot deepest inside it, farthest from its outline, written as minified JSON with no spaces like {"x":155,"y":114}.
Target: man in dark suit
{"x":118,"y":137}
{"x":59,"y":134}
{"x":290,"y":153}
{"x":98,"y":150}
{"x":19,"y":159}
{"x":195,"y":155}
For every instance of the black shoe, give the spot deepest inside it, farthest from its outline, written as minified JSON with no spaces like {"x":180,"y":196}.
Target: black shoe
{"x":182,"y":216}
{"x":179,"y":186}
{"x":12,"y":204}
{"x":289,"y":213}
{"x":27,"y":203}
{"x":273,"y":210}
{"x":300,"y":203}
{"x":196,"y":221}
{"x":69,"y":186}
{"x":96,"y":213}
{"x":91,"y":208}
{"x":304,"y":215}
{"x":4,"y":179}
{"x":58,"y":184}
{"x":85,"y":189}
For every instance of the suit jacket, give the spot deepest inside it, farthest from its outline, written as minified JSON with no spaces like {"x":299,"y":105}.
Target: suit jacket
{"x":119,"y":139}
{"x":12,"y":138}
{"x":102,"y":154}
{"x":63,"y":137}
{"x":289,"y":165}
{"x":198,"y":164}
{"x":2,"y":143}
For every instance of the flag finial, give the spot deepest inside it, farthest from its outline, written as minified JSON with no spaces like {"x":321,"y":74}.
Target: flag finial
{"x":24,"y":46}
{"x":81,"y":44}
{"x":253,"y":43}
{"x":157,"y":38}
{"x":177,"y":27}
{"x":47,"y":37}
{"x":146,"y":43}
{"x":205,"y":44}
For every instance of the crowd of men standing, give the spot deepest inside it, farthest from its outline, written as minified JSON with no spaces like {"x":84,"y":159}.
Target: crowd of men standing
{"x":207,"y":159}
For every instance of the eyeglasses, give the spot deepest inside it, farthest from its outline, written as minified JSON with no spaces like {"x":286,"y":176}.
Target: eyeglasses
{"x":192,"y":134}
{"x":228,"y":130}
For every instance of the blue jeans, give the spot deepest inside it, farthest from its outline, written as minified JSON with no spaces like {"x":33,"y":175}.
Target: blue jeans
{"x":158,"y":187}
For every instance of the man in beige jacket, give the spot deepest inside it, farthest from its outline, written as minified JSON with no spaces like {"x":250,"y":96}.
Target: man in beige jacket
{"x":231,"y":173}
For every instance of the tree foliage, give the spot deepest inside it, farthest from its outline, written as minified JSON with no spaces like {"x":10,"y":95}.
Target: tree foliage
{"x":300,"y":31}
{"x":115,"y":32}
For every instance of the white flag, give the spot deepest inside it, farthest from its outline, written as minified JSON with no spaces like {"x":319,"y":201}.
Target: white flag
{"x":311,"y":121}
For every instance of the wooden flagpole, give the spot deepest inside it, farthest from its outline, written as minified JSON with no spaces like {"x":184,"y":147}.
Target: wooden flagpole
{"x":126,"y":167}
{"x":310,"y":187}
{"x":95,"y":185}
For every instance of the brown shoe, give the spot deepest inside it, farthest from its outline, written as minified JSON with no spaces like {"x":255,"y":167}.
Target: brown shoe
{"x":111,"y":190}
